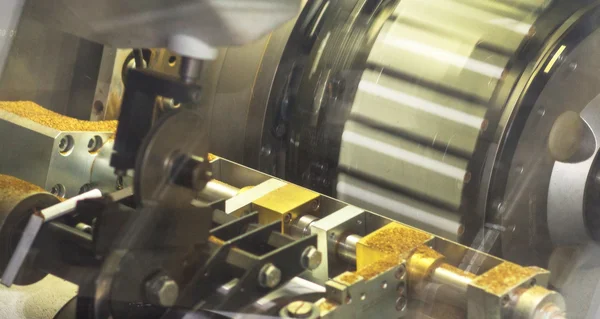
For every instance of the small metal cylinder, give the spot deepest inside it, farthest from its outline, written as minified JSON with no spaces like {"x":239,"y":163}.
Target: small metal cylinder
{"x":302,"y":226}
{"x":217,"y":190}
{"x":453,"y":279}
{"x":190,"y":69}
{"x":190,"y":171}
{"x":430,"y":292}
{"x":346,"y":249}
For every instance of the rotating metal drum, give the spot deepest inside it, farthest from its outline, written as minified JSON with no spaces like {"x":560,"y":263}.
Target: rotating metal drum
{"x":18,"y":200}
{"x":424,"y":111}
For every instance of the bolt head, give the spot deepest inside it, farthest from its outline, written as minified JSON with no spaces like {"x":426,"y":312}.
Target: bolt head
{"x":280,"y":130}
{"x":269,"y":276}
{"x":62,"y":145}
{"x":311,"y":258}
{"x":299,"y":309}
{"x":162,"y":291}
{"x":401,"y":303}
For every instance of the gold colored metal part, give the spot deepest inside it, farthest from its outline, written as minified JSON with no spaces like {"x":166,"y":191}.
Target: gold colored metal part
{"x":422,"y":263}
{"x":43,"y":116}
{"x":286,"y":203}
{"x":348,"y":278}
{"x":212,"y":157}
{"x":505,"y":277}
{"x":389,"y":243}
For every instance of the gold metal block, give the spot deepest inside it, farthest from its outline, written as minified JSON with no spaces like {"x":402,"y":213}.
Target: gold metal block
{"x":505,"y":277}
{"x":286,"y":204}
{"x":392,"y":242}
{"x":422,"y":263}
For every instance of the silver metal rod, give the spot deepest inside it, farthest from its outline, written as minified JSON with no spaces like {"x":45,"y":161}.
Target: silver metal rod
{"x":216,"y":190}
{"x":347,"y":248}
{"x":445,"y":276}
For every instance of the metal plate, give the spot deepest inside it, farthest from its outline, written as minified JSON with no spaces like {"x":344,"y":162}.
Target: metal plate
{"x":182,"y":131}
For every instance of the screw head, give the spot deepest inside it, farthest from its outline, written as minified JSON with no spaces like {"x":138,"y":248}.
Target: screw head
{"x":83,"y":189}
{"x":299,"y":309}
{"x":65,"y":144}
{"x":400,"y":272}
{"x":401,"y":303}
{"x":287,"y":218}
{"x":62,"y":145}
{"x":315,"y":205}
{"x":266,"y":150}
{"x":162,"y":290}
{"x":92,"y":144}
{"x":311,"y":258}
{"x":280,"y":130}
{"x":58,"y":190}
{"x":269,"y":276}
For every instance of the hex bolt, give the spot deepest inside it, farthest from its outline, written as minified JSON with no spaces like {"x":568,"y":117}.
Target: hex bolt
{"x":311,"y":258}
{"x":269,"y":276}
{"x":298,"y":309}
{"x":161,"y":290}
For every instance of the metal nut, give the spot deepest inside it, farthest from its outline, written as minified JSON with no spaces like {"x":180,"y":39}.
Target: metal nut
{"x":311,"y":258}
{"x":162,"y":290}
{"x":269,"y":276}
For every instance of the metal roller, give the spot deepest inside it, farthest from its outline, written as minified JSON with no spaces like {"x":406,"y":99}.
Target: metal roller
{"x":416,"y":109}
{"x":18,"y":200}
{"x":422,"y":104}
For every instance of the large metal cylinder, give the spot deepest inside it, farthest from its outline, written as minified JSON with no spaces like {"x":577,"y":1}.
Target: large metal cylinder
{"x":18,"y":200}
{"x":414,"y":109}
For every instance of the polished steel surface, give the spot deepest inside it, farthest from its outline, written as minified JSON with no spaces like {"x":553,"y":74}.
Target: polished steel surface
{"x":329,"y":230}
{"x":35,"y":154}
{"x":399,"y":207}
{"x":422,"y":103}
{"x":347,"y":248}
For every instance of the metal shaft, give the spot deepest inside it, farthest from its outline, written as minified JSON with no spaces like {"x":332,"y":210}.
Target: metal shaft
{"x":445,"y":276}
{"x":216,"y":190}
{"x":346,"y":249}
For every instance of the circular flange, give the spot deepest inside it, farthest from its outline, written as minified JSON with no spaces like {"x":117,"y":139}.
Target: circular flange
{"x":180,"y":132}
{"x":568,"y":185}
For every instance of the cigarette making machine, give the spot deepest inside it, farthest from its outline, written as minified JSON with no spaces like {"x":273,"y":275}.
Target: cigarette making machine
{"x":416,"y":159}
